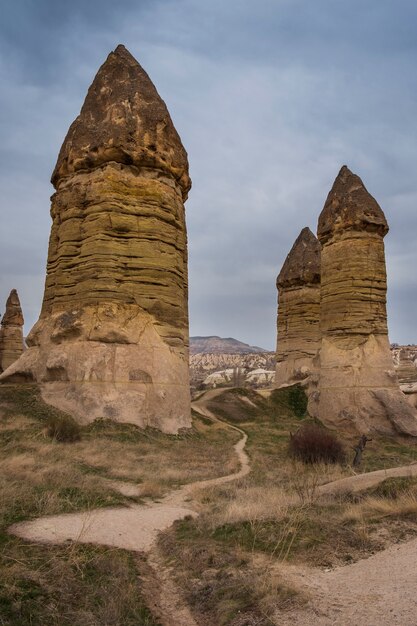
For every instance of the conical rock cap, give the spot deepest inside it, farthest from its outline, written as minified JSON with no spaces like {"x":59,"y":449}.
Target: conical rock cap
{"x":349,"y":206}
{"x":302,"y":265}
{"x":123,"y":119}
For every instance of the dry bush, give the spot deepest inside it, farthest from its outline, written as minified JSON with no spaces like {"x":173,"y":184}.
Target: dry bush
{"x":372,"y":508}
{"x":63,"y":428}
{"x":313,"y":444}
{"x":251,"y":502}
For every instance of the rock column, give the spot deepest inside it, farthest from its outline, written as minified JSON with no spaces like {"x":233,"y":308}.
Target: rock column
{"x":298,"y":329}
{"x":358,"y":389}
{"x":11,"y":332}
{"x":112,"y":338}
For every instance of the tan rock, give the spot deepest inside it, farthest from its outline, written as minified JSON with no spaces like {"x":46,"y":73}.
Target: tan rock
{"x":357,"y":388}
{"x":11,"y":332}
{"x":404,"y":363}
{"x":112,"y":338}
{"x":298,"y":331}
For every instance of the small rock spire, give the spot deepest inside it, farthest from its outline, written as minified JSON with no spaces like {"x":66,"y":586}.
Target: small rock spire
{"x":11,"y":332}
{"x":13,"y":315}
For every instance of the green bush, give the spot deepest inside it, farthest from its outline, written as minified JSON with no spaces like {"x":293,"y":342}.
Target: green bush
{"x":290,"y":399}
{"x":63,"y":428}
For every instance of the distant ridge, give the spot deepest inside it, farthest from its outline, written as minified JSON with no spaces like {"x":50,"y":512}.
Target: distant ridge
{"x":221,"y":345}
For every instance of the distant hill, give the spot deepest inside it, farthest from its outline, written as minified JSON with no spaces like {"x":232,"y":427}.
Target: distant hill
{"x":221,"y":345}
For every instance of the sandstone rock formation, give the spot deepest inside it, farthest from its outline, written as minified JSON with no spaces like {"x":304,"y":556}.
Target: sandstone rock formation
{"x":298,"y":331}
{"x":112,"y":337}
{"x":11,"y":332}
{"x":357,"y":388}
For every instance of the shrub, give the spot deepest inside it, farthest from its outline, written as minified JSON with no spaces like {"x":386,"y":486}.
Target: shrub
{"x":291,"y":400}
{"x":313,"y":444}
{"x":297,"y":400}
{"x":63,"y":428}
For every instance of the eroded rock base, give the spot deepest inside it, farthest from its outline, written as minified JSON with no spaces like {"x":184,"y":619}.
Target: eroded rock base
{"x":91,"y":365}
{"x":358,"y":390}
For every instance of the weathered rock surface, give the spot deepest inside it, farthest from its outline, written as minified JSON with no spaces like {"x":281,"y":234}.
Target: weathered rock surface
{"x":357,"y":388}
{"x":298,"y":323}
{"x":112,"y":338}
{"x":11,"y":332}
{"x":405,"y":358}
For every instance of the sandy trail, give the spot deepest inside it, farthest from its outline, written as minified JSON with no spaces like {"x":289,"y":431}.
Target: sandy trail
{"x":368,"y":480}
{"x":377,"y":591}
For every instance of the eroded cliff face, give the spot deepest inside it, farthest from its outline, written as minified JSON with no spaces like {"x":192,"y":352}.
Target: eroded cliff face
{"x":112,"y":337}
{"x":356,"y":388}
{"x":11,"y":332}
{"x":298,"y":329}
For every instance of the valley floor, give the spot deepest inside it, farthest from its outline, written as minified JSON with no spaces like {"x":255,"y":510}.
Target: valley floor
{"x":263,"y":541}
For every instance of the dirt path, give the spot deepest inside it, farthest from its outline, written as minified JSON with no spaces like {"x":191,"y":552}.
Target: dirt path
{"x":377,"y":591}
{"x":368,"y":480}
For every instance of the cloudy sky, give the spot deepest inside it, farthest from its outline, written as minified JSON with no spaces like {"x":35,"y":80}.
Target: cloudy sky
{"x":270,"y":98}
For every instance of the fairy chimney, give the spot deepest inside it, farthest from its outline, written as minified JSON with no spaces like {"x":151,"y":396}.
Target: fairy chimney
{"x":357,"y":388}
{"x":298,"y":329}
{"x":112,"y":337}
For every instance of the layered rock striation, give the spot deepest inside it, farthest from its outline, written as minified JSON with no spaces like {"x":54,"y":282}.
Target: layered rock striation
{"x":112,"y":337}
{"x":298,"y":321}
{"x":357,"y":388}
{"x":11,"y":332}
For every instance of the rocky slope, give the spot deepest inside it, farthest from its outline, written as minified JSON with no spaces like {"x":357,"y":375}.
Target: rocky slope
{"x":220,"y":345}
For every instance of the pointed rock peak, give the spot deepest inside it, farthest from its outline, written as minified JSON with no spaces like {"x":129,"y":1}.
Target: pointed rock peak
{"x":13,"y":315}
{"x":121,"y":50}
{"x":302,"y":265}
{"x":349,"y":206}
{"x":124,"y":120}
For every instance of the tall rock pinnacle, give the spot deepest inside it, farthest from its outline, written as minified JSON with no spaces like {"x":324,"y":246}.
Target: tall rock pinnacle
{"x":357,"y":386}
{"x":11,"y":332}
{"x":298,"y":332}
{"x":112,"y":338}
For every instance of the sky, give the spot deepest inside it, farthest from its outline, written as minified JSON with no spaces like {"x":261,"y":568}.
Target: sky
{"x":270,"y":99}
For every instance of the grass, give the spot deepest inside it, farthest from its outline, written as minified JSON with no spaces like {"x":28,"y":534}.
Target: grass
{"x":77,"y":584}
{"x":74,"y":584}
{"x":231,"y":563}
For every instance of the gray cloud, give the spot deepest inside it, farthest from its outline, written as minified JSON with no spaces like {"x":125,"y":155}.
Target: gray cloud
{"x":269,"y":102}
